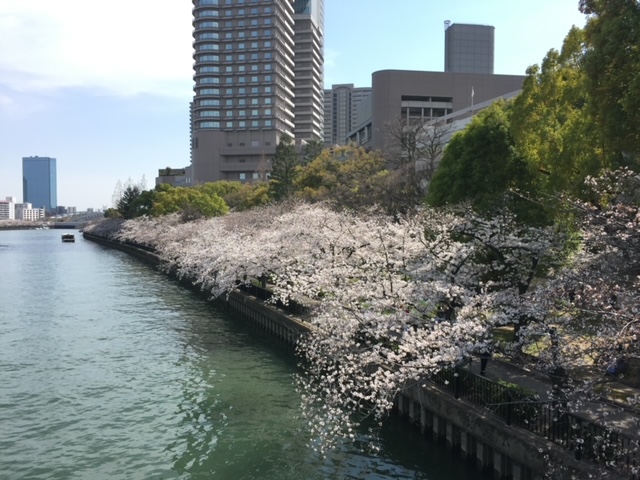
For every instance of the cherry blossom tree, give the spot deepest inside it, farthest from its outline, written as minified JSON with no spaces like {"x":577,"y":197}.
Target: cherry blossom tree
{"x":395,"y":300}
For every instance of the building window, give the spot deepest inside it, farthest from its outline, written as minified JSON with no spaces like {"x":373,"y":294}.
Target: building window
{"x":242,"y":124}
{"x":209,"y":103}
{"x":255,"y":123}
{"x":242,"y":113}
{"x":209,"y":58}
{"x":208,"y":13}
{"x":208,"y":36}
{"x":242,"y":176}
{"x":208,"y":24}
{"x":207,"y":80}
{"x":202,"y":3}
{"x":209,"y":70}
{"x":208,"y":46}
{"x":209,"y":124}
{"x":254,"y":101}
{"x":255,"y":176}
{"x":254,"y":113}
{"x":209,"y":91}
{"x":229,"y":124}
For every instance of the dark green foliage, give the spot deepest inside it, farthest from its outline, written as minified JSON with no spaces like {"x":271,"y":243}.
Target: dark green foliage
{"x":312,"y":150}
{"x":612,"y":65}
{"x":480,"y":164}
{"x":130,"y":194}
{"x":283,"y":169}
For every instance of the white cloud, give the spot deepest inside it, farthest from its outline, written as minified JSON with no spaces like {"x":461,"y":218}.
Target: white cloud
{"x":124,"y":46}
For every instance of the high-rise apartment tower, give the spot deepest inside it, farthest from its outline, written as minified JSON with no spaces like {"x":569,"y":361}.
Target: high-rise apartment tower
{"x":258,"y":74}
{"x":341,"y":108}
{"x":468,"y":48}
{"x":39,"y":182}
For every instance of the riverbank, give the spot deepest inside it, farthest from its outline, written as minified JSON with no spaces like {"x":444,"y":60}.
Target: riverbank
{"x":490,"y":442}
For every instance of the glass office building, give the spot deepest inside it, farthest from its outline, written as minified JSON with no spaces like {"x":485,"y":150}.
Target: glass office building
{"x":39,"y":182}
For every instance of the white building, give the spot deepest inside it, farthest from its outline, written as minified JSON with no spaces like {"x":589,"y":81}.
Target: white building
{"x":25,"y":211}
{"x":8,"y":208}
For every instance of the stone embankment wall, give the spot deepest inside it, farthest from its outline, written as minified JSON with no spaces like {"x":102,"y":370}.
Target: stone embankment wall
{"x":507,"y":452}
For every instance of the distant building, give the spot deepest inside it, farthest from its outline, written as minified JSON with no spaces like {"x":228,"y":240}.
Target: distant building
{"x":25,"y":211}
{"x":341,"y":112}
{"x":176,"y":177}
{"x":468,"y":48}
{"x":8,"y":208}
{"x":39,"y":182}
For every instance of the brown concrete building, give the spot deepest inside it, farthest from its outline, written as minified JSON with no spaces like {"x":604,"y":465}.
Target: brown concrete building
{"x":247,"y":56}
{"x":413,"y":96}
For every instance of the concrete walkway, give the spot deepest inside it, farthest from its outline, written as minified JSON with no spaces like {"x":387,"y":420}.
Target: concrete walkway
{"x":606,"y":411}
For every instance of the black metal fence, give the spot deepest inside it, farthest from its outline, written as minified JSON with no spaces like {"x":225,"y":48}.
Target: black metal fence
{"x":551,"y":420}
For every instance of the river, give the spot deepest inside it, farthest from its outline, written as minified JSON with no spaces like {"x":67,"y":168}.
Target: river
{"x":111,"y":370}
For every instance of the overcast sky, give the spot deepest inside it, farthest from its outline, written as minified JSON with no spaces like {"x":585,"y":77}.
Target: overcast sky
{"x":105,"y":87}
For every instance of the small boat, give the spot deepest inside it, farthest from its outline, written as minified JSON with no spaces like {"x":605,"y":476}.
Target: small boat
{"x":68,"y":237}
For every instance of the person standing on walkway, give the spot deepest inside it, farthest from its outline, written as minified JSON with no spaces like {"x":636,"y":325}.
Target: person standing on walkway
{"x":484,"y":360}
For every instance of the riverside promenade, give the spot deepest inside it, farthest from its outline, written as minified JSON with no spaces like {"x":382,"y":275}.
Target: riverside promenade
{"x":618,"y":415}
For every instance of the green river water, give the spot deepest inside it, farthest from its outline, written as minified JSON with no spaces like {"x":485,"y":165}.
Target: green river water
{"x":110,"y":370}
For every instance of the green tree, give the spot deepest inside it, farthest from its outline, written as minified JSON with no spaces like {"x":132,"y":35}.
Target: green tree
{"x":248,"y":196}
{"x":220,"y":188}
{"x":348,"y":177}
{"x":112,"y":213}
{"x":129,"y":196}
{"x":143,"y":204}
{"x":612,"y":65}
{"x":550,"y":121}
{"x":312,"y":150}
{"x":480,"y":164}
{"x":190,"y":202}
{"x":283,"y":169}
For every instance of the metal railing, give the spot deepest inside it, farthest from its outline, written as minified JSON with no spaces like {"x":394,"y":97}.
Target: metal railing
{"x":549,"y":419}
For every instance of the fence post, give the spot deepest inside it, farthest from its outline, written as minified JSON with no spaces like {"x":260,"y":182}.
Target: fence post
{"x":456,"y":383}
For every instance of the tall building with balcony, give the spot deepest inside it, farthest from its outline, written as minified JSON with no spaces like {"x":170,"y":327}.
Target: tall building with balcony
{"x":246,"y":95}
{"x":39,"y":182}
{"x":308,"y":70}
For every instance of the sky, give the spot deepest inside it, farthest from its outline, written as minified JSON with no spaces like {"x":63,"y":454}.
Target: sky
{"x":106,"y":89}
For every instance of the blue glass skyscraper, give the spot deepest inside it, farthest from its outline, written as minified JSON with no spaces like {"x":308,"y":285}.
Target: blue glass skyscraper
{"x":39,"y":182}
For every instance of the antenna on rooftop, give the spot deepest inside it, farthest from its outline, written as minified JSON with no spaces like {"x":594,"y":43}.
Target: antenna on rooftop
{"x":447,"y":24}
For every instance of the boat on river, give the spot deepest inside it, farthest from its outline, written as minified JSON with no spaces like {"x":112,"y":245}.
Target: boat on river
{"x":68,"y":237}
